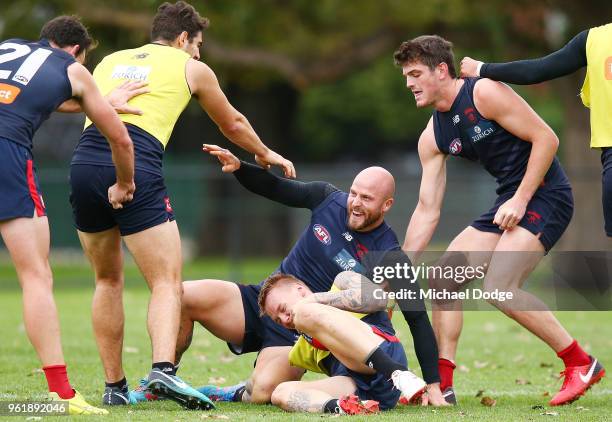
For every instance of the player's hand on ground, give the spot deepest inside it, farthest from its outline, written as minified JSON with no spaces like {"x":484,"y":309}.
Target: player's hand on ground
{"x":271,"y":158}
{"x":118,"y":98}
{"x":433,"y":396}
{"x":120,"y":193}
{"x":229,"y":161}
{"x":469,"y":67}
{"x":510,"y":213}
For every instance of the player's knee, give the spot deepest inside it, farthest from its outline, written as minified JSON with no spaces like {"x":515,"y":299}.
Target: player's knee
{"x":281,"y":393}
{"x":306,"y":317}
{"x":262,"y":388}
{"x":109,"y":281}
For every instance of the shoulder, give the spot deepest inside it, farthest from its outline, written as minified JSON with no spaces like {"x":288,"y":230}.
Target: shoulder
{"x":491,"y":96}
{"x":428,"y":144}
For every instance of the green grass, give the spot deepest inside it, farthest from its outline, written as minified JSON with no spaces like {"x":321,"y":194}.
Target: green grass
{"x":494,"y":352}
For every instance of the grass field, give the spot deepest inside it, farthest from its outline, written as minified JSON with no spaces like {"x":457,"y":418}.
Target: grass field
{"x":495,"y":355}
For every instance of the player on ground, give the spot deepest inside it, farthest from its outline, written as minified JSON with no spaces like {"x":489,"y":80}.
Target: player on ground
{"x":590,"y":48}
{"x":171,"y":67}
{"x":486,"y":121}
{"x":344,"y":227}
{"x":35,"y":79}
{"x":365,"y":362}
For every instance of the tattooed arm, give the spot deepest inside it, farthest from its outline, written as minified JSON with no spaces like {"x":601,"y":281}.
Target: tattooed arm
{"x":356,"y":294}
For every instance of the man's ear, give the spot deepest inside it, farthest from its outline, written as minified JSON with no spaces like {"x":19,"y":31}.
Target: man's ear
{"x":183,"y":38}
{"x":74,"y":51}
{"x":387,"y":205}
{"x":443,"y":69}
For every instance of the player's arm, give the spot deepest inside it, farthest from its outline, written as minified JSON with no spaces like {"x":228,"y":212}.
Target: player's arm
{"x":355,"y":294}
{"x":118,"y":98}
{"x":415,"y":313}
{"x":84,"y":89}
{"x":235,"y":126}
{"x":498,"y":102}
{"x":426,"y":215}
{"x":292,"y":193}
{"x":564,"y":61}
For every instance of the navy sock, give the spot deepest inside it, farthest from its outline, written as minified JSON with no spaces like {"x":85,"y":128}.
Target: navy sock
{"x":165,"y":367}
{"x":331,"y":406}
{"x":121,"y":384}
{"x":382,"y":363}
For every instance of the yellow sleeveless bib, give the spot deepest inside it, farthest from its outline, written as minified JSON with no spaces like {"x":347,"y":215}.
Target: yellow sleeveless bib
{"x":163,"y":68}
{"x":597,"y":88}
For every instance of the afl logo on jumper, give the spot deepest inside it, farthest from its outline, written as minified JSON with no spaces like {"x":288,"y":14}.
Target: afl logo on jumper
{"x":322,"y":234}
{"x":455,"y":146}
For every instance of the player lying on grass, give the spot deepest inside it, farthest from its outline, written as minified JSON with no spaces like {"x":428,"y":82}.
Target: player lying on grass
{"x":343,"y":228}
{"x":365,"y":362}
{"x":485,"y":121}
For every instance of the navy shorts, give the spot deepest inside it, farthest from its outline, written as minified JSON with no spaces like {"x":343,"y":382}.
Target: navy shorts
{"x":19,"y":191}
{"x":548,"y":214}
{"x":372,"y":387}
{"x":606,"y":179}
{"x":93,"y":213}
{"x":259,"y":331}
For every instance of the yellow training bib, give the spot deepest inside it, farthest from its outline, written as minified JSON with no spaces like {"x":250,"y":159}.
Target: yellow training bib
{"x":163,"y":68}
{"x":597,"y":88}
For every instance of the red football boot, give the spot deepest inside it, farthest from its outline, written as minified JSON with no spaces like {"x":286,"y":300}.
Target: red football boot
{"x":578,"y":379}
{"x":351,"y":405}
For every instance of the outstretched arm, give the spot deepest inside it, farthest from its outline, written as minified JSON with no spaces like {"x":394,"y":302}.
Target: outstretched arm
{"x":564,"y":61}
{"x":292,"y":193}
{"x":431,"y":194}
{"x":235,"y":126}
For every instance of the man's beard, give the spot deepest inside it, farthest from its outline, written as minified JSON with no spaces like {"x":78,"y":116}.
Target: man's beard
{"x":368,"y":220}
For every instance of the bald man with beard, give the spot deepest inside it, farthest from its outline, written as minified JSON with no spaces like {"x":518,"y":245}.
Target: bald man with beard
{"x":344,"y":227}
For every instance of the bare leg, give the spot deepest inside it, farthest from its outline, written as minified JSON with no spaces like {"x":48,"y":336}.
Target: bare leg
{"x":217,"y":305}
{"x":349,"y":339}
{"x":447,"y":323}
{"x":27,"y":240}
{"x":103,"y":250}
{"x":311,"y":396}
{"x":157,"y":252}
{"x":517,"y":254}
{"x":272,"y":368}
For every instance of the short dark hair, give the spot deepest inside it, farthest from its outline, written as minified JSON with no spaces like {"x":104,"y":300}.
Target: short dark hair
{"x":172,"y":19}
{"x":68,"y":31}
{"x":431,"y":50}
{"x":270,"y":283}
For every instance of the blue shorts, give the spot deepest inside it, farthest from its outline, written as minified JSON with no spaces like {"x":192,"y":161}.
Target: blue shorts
{"x":372,"y":387}
{"x":606,"y":197}
{"x":548,"y":214}
{"x":19,"y":190}
{"x":93,"y":213}
{"x":259,"y":331}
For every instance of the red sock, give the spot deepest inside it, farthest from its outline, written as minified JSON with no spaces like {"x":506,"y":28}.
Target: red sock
{"x":573,"y":355}
{"x":446,"y":369}
{"x":57,"y":379}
